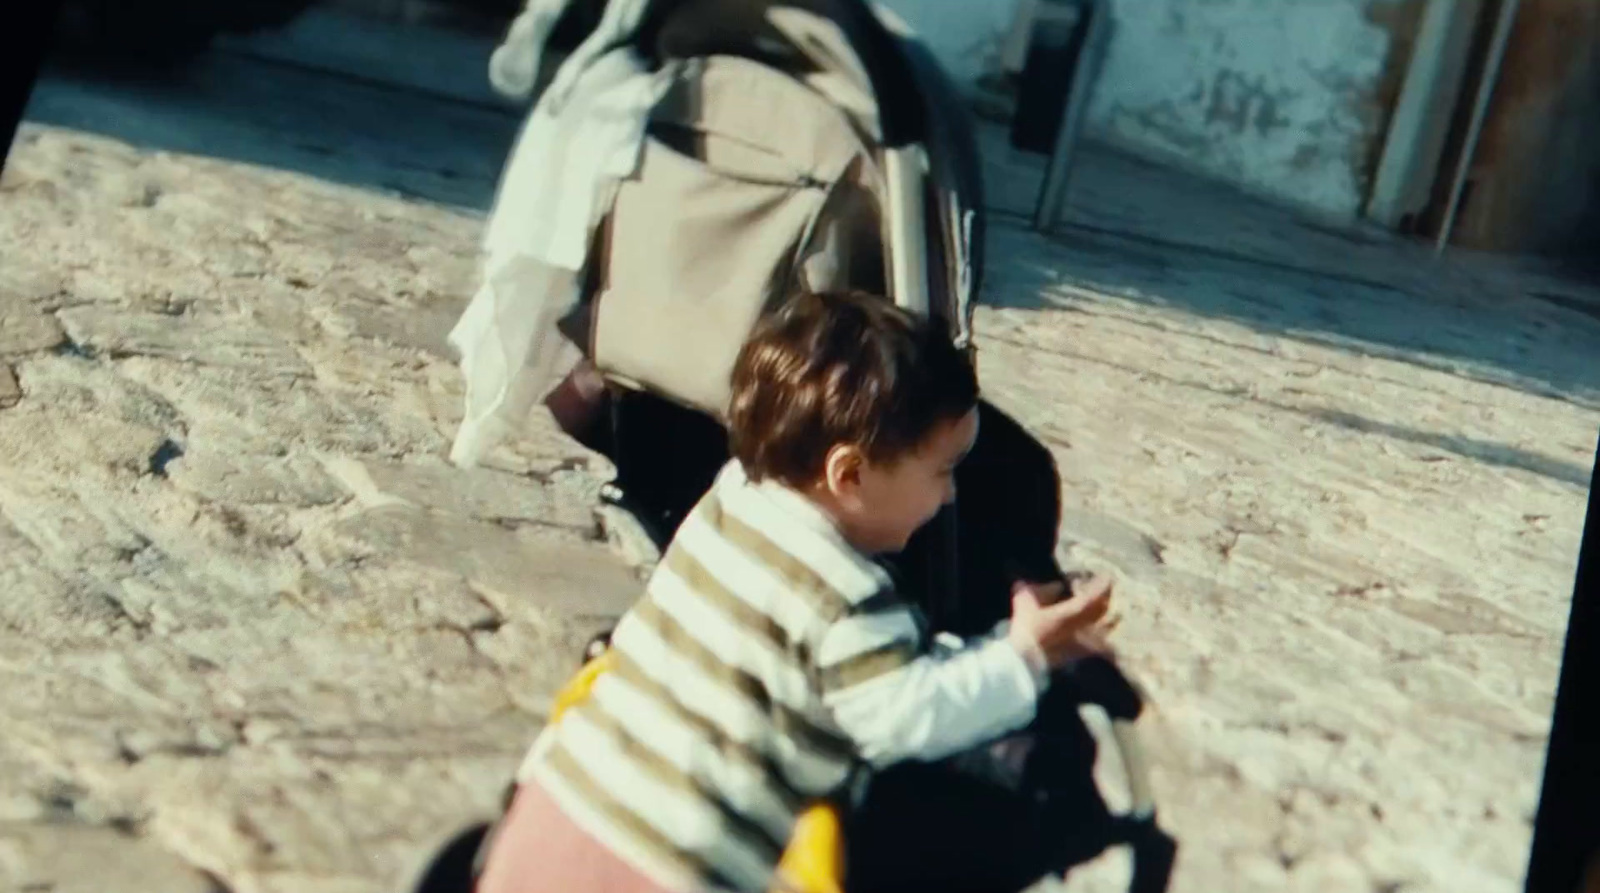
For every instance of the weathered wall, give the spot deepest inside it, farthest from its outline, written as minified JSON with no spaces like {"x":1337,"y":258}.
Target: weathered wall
{"x":1283,"y":98}
{"x":1280,"y":98}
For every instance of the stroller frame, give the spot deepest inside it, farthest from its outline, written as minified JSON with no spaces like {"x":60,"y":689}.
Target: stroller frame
{"x":932,"y":241}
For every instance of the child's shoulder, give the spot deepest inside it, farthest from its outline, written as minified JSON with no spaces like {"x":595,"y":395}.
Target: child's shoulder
{"x":778,"y":531}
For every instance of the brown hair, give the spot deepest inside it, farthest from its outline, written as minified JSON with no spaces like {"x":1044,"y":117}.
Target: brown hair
{"x":842,"y":368}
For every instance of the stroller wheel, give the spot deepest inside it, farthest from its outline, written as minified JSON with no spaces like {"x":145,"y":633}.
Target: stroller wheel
{"x":630,"y":530}
{"x":596,"y":647}
{"x":454,"y":867}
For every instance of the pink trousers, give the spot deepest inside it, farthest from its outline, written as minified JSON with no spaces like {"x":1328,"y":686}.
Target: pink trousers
{"x":538,"y":849}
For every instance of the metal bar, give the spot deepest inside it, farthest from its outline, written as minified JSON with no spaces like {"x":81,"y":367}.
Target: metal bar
{"x":1136,"y":766}
{"x":1480,"y":112}
{"x":1057,"y":177}
{"x":905,"y":170}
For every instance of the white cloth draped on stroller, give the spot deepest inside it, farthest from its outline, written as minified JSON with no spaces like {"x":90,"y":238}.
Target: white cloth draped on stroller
{"x":582,"y":138}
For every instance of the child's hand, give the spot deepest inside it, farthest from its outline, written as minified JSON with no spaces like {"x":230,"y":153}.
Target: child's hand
{"x":1063,"y":631}
{"x":1044,"y":593}
{"x":1058,"y":589}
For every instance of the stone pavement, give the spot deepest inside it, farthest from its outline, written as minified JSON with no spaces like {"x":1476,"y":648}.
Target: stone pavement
{"x":256,"y":634}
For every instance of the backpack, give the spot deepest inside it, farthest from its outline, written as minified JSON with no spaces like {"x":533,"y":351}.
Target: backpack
{"x":752,"y":186}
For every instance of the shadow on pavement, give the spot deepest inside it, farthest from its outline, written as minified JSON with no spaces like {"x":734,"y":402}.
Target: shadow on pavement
{"x":272,"y":114}
{"x":1479,"y":320}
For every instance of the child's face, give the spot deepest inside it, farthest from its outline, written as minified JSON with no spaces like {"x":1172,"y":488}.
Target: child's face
{"x":879,"y":506}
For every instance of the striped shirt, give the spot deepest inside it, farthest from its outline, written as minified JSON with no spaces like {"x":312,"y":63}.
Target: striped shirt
{"x":766,"y":663}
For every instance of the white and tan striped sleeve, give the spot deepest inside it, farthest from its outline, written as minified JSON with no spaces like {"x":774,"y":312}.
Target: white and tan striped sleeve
{"x":896,"y":701}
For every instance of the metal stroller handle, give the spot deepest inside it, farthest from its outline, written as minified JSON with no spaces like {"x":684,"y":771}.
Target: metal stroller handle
{"x":1131,"y":748}
{"x":905,"y":170}
{"x":1101,"y":682}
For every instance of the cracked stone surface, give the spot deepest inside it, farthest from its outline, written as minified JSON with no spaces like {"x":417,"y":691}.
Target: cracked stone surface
{"x":70,"y":859}
{"x":257,"y":635}
{"x":10,"y":389}
{"x":197,"y":338}
{"x":24,"y":333}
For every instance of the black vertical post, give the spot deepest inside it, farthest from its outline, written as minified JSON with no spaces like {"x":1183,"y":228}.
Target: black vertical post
{"x":1566,"y":834}
{"x":1055,"y":49}
{"x":1065,"y":54}
{"x":25,"y":38}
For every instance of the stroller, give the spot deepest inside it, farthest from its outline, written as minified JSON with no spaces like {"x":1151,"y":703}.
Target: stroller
{"x":786,"y":145}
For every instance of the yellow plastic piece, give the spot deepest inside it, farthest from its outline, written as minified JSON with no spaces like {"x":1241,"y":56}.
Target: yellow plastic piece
{"x":813,"y":862}
{"x":579,"y":686}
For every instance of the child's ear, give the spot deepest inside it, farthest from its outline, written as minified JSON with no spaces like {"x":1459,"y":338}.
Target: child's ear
{"x":842,"y":472}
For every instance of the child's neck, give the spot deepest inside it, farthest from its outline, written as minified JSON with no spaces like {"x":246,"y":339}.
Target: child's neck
{"x":828,"y":506}
{"x":816,"y":502}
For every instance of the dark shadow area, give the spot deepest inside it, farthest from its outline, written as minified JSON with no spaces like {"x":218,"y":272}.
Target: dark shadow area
{"x":1577,"y":305}
{"x":1488,"y":452}
{"x":1565,"y":851}
{"x":1483,"y":451}
{"x":453,"y":869}
{"x":333,"y":127}
{"x":1487,"y":326}
{"x":163,"y":456}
